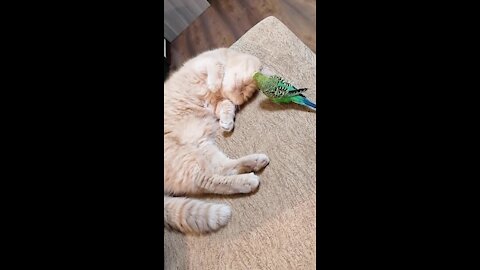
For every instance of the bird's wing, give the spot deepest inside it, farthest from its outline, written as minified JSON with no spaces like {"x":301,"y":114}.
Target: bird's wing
{"x":296,"y":92}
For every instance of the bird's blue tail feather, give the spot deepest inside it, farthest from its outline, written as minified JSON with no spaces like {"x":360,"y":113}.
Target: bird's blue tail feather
{"x":309,"y":104}
{"x":302,"y":100}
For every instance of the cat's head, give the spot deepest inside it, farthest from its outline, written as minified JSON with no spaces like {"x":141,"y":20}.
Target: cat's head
{"x":238,"y":84}
{"x":241,"y":93}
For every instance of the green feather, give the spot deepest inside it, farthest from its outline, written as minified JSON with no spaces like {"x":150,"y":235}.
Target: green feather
{"x":275,"y":86}
{"x":280,"y":91}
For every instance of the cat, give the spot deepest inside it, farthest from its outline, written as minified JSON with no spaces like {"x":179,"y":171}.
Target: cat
{"x":201,"y":98}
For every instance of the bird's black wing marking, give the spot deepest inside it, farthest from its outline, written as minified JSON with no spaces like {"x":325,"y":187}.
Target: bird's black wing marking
{"x":296,"y":92}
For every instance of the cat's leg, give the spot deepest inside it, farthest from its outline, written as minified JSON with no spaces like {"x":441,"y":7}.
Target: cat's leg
{"x":228,"y":184}
{"x":246,"y":164}
{"x":209,"y":170}
{"x":215,"y":71}
{"x":225,"y":112}
{"x":219,"y":163}
{"x":199,"y":182}
{"x":202,"y":170}
{"x":223,"y":175}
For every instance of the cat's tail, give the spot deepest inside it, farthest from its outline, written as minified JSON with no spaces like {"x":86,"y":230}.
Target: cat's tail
{"x":189,"y":215}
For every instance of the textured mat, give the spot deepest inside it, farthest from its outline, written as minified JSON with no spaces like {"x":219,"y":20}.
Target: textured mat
{"x":275,"y":227}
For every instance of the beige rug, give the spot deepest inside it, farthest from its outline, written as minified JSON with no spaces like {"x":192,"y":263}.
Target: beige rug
{"x":275,"y":227}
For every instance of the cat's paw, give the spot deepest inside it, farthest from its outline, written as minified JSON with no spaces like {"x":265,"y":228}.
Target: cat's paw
{"x":214,"y":77}
{"x":218,"y":216}
{"x":261,"y":161}
{"x":250,"y":183}
{"x":214,"y":85}
{"x":227,"y":124}
{"x":250,"y":163}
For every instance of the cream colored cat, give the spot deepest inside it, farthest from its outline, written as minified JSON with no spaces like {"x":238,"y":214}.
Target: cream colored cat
{"x":199,"y":99}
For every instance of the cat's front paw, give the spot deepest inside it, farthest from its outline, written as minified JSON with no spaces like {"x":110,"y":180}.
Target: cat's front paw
{"x":215,"y":77}
{"x":226,"y":125}
{"x":214,"y":86}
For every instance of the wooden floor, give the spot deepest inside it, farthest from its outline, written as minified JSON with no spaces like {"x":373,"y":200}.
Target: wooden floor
{"x":227,"y":20}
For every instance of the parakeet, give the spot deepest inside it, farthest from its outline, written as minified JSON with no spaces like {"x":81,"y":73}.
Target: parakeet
{"x":279,"y":91}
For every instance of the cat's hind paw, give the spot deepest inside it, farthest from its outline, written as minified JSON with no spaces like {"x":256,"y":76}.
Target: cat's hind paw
{"x":261,"y":161}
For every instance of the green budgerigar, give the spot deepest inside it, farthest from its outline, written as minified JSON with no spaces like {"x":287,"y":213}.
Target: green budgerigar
{"x":279,"y":91}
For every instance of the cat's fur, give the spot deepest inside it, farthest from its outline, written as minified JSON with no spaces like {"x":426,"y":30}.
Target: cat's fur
{"x":199,"y":99}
